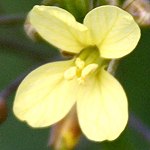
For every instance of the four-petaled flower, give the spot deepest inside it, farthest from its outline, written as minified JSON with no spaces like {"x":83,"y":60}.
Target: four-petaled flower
{"x":48,"y":93}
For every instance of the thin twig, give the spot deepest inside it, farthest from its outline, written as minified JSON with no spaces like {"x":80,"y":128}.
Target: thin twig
{"x":12,"y":19}
{"x":25,"y":48}
{"x":139,"y":126}
{"x":4,"y":94}
{"x":14,"y":85}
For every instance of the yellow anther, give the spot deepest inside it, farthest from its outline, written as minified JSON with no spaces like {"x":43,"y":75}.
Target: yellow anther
{"x":88,"y":69}
{"x":79,"y":63}
{"x":70,"y":73}
{"x":81,"y":81}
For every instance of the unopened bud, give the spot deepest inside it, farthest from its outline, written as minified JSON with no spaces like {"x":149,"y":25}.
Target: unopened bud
{"x":3,"y":110}
{"x":30,"y":31}
{"x":140,"y":10}
{"x":65,"y":134}
{"x":112,"y":2}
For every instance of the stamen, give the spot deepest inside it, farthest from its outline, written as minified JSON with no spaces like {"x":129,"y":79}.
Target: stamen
{"x":81,"y":81}
{"x":79,"y":63}
{"x":89,"y":69}
{"x":70,"y":73}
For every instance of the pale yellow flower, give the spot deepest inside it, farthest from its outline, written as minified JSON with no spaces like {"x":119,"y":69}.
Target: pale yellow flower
{"x":48,"y":93}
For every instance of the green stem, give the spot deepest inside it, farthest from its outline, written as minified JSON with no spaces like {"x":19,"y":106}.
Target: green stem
{"x":12,"y":19}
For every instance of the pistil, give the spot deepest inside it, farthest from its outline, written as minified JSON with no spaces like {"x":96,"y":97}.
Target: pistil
{"x":87,"y":63}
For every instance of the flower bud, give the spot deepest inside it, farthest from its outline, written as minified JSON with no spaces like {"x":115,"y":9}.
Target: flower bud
{"x":112,"y":2}
{"x":30,"y":31}
{"x":140,"y":10}
{"x":65,"y":134}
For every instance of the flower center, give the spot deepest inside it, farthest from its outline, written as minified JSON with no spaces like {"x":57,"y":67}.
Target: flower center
{"x":87,"y":63}
{"x":80,"y":71}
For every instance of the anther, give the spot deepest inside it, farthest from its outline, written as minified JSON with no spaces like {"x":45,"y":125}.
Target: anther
{"x":79,"y":63}
{"x":70,"y":73}
{"x":89,"y":69}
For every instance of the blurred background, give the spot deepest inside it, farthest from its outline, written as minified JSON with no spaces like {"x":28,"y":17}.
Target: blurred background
{"x":18,"y":54}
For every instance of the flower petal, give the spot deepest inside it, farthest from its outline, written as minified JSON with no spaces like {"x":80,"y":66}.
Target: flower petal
{"x":59,"y":27}
{"x":114,"y":31}
{"x":44,"y":97}
{"x":102,"y":108}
